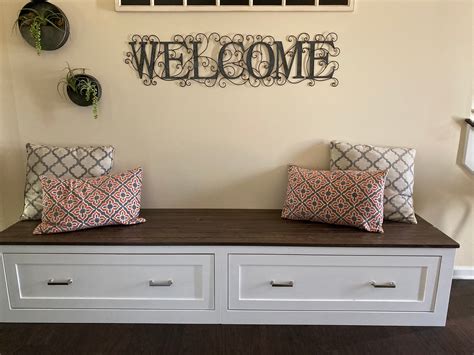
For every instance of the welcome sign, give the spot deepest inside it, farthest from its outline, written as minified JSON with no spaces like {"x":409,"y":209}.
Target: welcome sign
{"x":254,"y":60}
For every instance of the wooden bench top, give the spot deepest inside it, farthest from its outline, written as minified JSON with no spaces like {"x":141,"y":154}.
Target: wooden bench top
{"x":233,"y":227}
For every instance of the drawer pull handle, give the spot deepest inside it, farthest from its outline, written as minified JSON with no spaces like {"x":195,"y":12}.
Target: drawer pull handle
{"x":166,"y":283}
{"x":281,"y":283}
{"x":390,"y":284}
{"x":53,"y":282}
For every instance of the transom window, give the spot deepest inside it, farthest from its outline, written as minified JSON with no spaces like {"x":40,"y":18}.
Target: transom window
{"x":234,"y":5}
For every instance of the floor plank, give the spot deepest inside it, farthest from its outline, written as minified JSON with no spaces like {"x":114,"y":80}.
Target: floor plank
{"x":456,"y":338}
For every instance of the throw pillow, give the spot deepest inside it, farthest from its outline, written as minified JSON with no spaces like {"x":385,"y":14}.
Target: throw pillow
{"x":400,"y":163}
{"x":60,"y":162}
{"x":350,"y":198}
{"x":74,"y":204}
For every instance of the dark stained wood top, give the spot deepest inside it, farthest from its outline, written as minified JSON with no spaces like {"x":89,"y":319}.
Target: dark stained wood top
{"x":233,"y":227}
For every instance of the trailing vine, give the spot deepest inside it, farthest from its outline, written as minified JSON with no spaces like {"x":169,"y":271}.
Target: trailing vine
{"x":88,"y":88}
{"x":35,"y":30}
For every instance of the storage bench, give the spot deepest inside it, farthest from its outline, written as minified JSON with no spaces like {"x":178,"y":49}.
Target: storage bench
{"x":227,"y":266}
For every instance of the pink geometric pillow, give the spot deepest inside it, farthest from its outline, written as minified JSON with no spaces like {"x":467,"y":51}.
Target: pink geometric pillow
{"x":75,"y":204}
{"x":350,"y":198}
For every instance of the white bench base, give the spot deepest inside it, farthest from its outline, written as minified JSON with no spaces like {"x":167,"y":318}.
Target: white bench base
{"x":225,"y":285}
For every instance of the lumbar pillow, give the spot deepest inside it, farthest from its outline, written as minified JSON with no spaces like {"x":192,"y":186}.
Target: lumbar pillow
{"x":400,"y":163}
{"x":350,"y":198}
{"x":74,"y":204}
{"x":59,"y":162}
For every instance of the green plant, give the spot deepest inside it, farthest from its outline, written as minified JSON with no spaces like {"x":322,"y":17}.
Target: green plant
{"x":70,"y":79}
{"x":81,"y":84}
{"x":34,"y":19}
{"x":88,"y":88}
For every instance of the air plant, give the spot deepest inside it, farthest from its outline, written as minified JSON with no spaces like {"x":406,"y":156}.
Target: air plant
{"x":34,"y":19}
{"x":82,"y":85}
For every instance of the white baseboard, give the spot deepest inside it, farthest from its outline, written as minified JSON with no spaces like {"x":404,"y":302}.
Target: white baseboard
{"x":463,"y":273}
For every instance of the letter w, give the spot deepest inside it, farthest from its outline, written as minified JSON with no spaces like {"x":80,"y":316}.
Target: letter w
{"x":143,"y":59}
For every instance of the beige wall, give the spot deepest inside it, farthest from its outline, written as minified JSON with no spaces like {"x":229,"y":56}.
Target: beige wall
{"x":11,"y":159}
{"x":405,"y":79}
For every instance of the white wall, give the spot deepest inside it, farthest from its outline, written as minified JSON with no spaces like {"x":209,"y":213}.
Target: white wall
{"x":405,"y":79}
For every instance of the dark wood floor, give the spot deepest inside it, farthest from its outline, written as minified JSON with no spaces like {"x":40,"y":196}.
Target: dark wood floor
{"x":456,"y":338}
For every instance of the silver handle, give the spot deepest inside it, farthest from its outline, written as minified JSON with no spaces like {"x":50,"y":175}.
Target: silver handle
{"x":281,"y":283}
{"x":54,"y":282}
{"x":166,"y":283}
{"x":389,"y":284}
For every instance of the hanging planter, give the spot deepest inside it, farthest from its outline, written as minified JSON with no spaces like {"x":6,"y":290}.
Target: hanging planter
{"x":81,"y":88}
{"x":43,"y":25}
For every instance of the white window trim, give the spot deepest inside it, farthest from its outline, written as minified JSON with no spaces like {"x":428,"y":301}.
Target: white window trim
{"x":230,"y":8}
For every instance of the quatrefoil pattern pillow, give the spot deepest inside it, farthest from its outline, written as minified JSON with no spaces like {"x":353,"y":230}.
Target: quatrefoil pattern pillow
{"x":60,"y":162}
{"x":400,"y":164}
{"x":349,"y":198}
{"x":74,"y":204}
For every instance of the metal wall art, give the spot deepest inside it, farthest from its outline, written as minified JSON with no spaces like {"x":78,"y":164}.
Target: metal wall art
{"x":221,"y":60}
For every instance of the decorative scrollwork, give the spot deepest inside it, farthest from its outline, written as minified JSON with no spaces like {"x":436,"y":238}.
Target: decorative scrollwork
{"x":219,"y":60}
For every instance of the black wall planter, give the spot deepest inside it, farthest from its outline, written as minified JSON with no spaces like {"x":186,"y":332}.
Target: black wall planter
{"x":53,"y":24}
{"x":81,"y":88}
{"x":78,"y":97}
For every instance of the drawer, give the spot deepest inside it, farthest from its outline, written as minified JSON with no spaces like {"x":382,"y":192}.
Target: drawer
{"x":332,"y":282}
{"x":129,"y":281}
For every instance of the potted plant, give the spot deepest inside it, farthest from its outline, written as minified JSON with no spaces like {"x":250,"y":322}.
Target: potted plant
{"x":81,"y":88}
{"x":43,"y":25}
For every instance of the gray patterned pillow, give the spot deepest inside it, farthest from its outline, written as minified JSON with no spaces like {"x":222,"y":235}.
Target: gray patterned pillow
{"x":400,"y":163}
{"x":66,"y":163}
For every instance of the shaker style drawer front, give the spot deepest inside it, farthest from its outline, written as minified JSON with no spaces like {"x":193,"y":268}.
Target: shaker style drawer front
{"x":331,"y":282}
{"x":125,"y":281}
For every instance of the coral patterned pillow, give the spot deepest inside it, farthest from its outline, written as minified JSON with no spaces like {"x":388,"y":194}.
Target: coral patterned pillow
{"x":350,"y":198}
{"x":75,"y":204}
